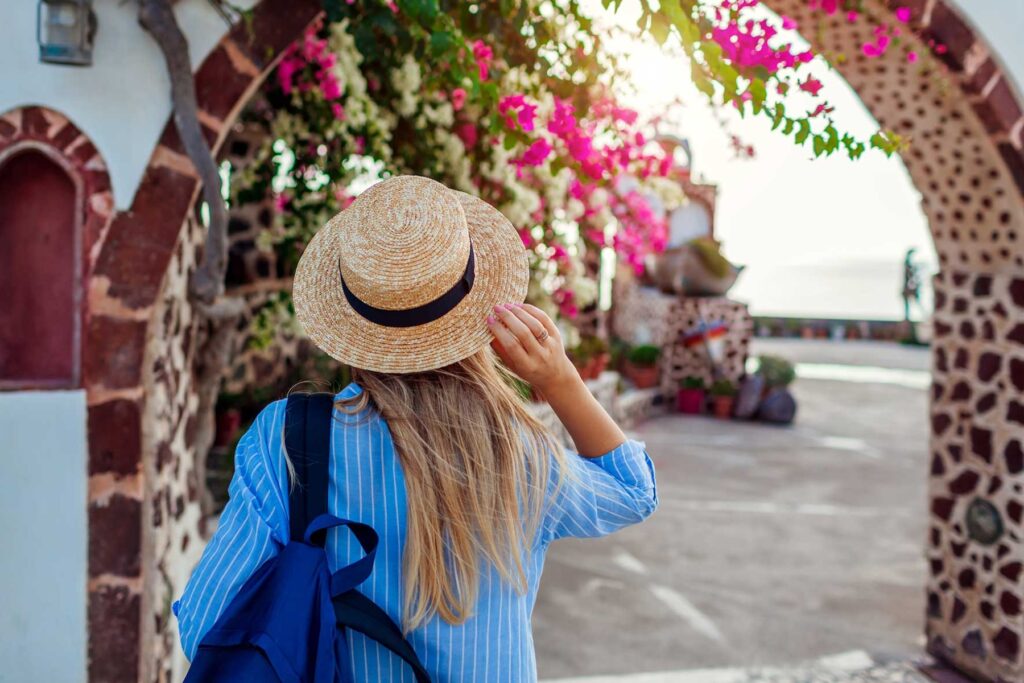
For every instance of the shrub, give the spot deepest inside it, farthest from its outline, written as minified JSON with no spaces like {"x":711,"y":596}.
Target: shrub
{"x":723,"y":387}
{"x":777,"y":371}
{"x":645,"y":355}
{"x":692,"y":382}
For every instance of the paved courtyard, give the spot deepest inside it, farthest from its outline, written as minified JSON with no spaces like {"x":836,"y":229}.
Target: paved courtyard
{"x":773,"y":547}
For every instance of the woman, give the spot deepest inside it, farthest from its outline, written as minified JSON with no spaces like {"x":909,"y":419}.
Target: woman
{"x":413,"y":286}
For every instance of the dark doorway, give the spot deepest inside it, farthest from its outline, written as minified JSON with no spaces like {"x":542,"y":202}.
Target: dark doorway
{"x":38,"y":273}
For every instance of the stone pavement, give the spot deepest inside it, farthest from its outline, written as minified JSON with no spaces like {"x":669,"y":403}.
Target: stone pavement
{"x":772,"y":546}
{"x":850,"y":667}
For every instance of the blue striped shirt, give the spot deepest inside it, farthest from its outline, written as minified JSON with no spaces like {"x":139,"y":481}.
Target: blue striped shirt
{"x":496,"y":644}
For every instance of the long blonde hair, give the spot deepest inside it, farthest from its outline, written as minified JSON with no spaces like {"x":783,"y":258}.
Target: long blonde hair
{"x":476,"y":465}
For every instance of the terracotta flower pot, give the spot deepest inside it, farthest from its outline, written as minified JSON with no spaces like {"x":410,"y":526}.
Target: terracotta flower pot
{"x":723,"y":406}
{"x":644,"y":377}
{"x":690,"y":401}
{"x":601,"y":361}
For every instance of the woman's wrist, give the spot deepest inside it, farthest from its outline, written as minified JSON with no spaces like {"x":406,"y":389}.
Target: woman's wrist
{"x":563,"y":381}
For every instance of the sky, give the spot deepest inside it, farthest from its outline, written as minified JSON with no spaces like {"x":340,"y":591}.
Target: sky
{"x":819,"y":238}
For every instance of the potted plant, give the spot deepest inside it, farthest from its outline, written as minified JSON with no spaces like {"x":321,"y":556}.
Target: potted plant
{"x":723,"y":395}
{"x":642,"y":365}
{"x":690,"y":398}
{"x":590,"y":356}
{"x":602,"y":355}
{"x":776,"y":371}
{"x":582,"y":359}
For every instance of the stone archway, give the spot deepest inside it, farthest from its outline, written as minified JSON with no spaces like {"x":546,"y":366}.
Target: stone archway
{"x":145,"y":523}
{"x":134,"y":264}
{"x":965,"y":123}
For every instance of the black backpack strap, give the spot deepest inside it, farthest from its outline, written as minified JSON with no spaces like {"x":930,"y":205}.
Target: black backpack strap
{"x":357,"y":612}
{"x":307,"y":440}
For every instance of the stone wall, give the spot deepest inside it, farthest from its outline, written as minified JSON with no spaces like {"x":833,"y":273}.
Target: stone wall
{"x":174,"y":516}
{"x":976,"y":538}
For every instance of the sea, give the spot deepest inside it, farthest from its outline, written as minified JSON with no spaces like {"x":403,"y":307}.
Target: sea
{"x":861,"y":289}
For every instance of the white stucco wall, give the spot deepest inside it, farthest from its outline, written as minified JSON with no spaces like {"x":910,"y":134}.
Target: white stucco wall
{"x":1001,"y":22}
{"x":43,"y":531}
{"x":122,"y":101}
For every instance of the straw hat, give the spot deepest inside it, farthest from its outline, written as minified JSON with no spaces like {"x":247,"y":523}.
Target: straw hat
{"x":403,"y":279}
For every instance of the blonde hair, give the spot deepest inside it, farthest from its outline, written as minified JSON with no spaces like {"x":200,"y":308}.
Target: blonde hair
{"x":477,"y":465}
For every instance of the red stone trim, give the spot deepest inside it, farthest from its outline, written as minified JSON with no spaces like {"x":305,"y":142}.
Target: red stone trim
{"x":53,"y":134}
{"x":982,"y":78}
{"x":125,"y":283}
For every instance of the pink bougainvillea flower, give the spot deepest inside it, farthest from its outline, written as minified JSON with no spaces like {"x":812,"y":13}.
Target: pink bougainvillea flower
{"x":392,"y":6}
{"x":286,"y":73}
{"x":870,"y":50}
{"x":537,"y":153}
{"x":458,"y":98}
{"x":852,"y":16}
{"x":903,"y":14}
{"x":525,"y":112}
{"x":788,"y":23}
{"x":911,"y":56}
{"x":467,"y":133}
{"x":821,"y":109}
{"x":483,"y":55}
{"x":360,"y":145}
{"x":338,"y":111}
{"x":811,"y":85}
{"x":330,"y":88}
{"x":281,"y":202}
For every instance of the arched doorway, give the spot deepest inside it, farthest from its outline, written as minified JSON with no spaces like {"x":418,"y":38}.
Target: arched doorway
{"x":39,"y":271}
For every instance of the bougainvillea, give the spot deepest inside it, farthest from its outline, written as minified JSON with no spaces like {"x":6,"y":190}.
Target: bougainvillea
{"x":510,"y":101}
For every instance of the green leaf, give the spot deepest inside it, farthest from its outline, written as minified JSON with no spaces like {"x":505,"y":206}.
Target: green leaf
{"x":758,"y":93}
{"x":778,"y":115}
{"x":819,"y":145}
{"x":441,"y":41}
{"x":701,"y":80}
{"x":805,"y":130}
{"x":660,"y":28}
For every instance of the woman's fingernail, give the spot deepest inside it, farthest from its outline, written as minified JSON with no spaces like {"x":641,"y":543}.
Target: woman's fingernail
{"x":497,"y":308}
{"x":518,"y":305}
{"x":508,"y":307}
{"x":490,"y":320}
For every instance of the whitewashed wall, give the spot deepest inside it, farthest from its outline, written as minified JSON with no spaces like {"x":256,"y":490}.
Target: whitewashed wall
{"x":122,"y":101}
{"x":43,"y":532}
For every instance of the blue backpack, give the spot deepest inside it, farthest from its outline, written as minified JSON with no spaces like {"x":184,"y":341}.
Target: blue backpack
{"x":288,"y":622}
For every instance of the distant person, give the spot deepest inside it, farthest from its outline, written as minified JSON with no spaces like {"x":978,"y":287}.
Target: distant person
{"x":417,"y":287}
{"x":911,"y":290}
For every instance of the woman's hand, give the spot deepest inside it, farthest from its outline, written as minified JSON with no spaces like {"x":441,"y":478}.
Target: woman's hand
{"x":529,"y":343}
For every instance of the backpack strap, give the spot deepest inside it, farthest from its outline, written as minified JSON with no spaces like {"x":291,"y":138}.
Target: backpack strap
{"x":307,"y":435}
{"x":356,"y":611}
{"x":307,"y":440}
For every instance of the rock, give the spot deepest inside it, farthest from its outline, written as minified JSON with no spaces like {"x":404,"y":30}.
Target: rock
{"x":778,"y":407}
{"x":749,"y":397}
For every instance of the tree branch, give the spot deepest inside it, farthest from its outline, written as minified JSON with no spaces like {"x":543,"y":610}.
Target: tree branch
{"x":157,"y":18}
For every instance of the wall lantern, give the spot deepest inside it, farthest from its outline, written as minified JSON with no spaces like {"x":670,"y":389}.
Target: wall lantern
{"x":65,"y":31}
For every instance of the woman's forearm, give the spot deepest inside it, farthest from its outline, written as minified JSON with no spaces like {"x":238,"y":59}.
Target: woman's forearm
{"x":591,"y":427}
